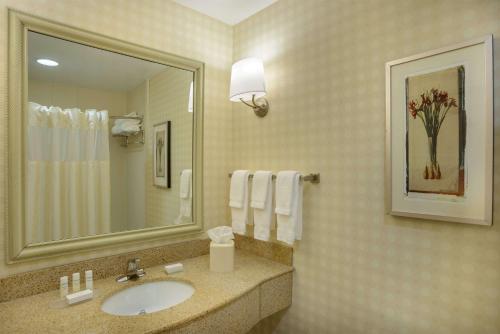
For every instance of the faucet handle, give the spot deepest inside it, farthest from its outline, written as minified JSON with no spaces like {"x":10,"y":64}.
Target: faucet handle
{"x":133,"y":264}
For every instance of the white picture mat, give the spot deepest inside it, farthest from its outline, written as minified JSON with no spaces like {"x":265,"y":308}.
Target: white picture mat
{"x":475,"y":206}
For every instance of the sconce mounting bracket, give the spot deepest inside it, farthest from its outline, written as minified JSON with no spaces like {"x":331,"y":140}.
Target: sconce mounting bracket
{"x":260,"y":106}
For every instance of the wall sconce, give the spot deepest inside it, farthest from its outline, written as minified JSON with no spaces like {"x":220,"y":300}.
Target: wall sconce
{"x":247,"y":84}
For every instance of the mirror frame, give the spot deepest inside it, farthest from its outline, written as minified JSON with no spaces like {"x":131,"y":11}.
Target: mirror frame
{"x":17,"y":249}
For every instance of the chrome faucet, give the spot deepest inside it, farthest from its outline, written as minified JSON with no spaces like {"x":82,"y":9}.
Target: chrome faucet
{"x":133,"y":271}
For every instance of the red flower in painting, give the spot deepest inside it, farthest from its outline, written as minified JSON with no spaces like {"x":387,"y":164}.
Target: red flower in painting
{"x":453,"y":102}
{"x":413,"y":108}
{"x":443,"y":97}
{"x":432,"y":111}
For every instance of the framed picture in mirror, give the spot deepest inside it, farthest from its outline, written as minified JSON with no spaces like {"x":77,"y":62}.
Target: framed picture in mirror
{"x":161,"y":155}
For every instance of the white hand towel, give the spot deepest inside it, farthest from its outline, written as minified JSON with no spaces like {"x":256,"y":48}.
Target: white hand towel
{"x":285,"y":183}
{"x":262,"y":196}
{"x":260,"y":185}
{"x":239,"y":186}
{"x":238,"y":201}
{"x":185,"y":187}
{"x":186,"y":195}
{"x":289,"y":190}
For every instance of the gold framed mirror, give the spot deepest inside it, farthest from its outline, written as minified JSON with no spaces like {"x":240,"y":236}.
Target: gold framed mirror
{"x":72,"y":177}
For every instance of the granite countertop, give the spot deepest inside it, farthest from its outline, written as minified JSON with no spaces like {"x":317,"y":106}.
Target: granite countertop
{"x":40,"y":313}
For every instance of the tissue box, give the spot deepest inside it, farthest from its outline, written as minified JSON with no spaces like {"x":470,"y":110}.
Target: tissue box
{"x":222,"y":257}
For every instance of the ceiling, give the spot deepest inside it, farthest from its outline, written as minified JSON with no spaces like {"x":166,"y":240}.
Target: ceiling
{"x":86,"y":66}
{"x":228,"y":11}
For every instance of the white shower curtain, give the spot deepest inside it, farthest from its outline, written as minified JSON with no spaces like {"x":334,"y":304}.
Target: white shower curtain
{"x":68,"y":176}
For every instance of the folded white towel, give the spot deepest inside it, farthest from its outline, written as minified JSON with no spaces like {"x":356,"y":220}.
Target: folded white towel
{"x":239,"y":201}
{"x":262,"y":196}
{"x":116,"y":130}
{"x":125,"y":129}
{"x":289,"y":190}
{"x":126,"y":126}
{"x":285,"y":183}
{"x":128,"y":120}
{"x":185,"y":186}
{"x":239,"y":186}
{"x":186,"y":195}
{"x":260,"y":185}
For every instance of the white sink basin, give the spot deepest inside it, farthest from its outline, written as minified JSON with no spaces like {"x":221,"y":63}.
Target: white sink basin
{"x":147,"y":298}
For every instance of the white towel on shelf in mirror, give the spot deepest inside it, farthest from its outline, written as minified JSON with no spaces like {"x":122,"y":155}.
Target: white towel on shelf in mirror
{"x":126,"y":125}
{"x":120,"y":121}
{"x":186,"y":195}
{"x":238,"y":200}
{"x":262,"y":197}
{"x":289,"y":190}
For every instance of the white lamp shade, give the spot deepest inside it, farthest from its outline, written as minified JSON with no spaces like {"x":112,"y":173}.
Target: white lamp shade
{"x":247,"y":79}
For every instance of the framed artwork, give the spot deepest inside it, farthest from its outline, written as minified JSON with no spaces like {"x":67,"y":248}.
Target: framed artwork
{"x":161,"y":155}
{"x":439,"y":134}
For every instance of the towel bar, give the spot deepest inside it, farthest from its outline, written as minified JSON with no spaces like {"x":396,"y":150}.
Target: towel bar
{"x":313,"y":177}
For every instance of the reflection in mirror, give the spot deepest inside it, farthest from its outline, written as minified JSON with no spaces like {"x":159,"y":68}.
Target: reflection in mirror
{"x":109,"y":142}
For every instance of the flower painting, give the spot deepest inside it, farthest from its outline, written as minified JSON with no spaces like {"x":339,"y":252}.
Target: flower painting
{"x":436,"y":124}
{"x":439,"y":134}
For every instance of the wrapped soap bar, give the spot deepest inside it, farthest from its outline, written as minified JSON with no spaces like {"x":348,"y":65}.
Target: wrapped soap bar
{"x":79,"y":296}
{"x":174,"y":268}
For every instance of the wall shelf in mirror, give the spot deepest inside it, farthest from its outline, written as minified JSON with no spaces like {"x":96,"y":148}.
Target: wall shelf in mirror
{"x":126,"y":138}
{"x":129,"y":137}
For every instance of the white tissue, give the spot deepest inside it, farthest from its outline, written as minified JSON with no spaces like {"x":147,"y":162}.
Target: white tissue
{"x":221,"y":234}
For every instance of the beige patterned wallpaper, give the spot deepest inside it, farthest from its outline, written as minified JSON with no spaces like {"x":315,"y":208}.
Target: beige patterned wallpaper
{"x":135,"y":184}
{"x":162,"y":25}
{"x":168,"y":101}
{"x":357,"y":269}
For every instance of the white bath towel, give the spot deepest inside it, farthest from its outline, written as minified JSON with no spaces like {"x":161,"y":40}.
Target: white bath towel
{"x":186,"y":196}
{"x":289,"y":206}
{"x":126,"y":126}
{"x":120,"y":121}
{"x":262,"y":197}
{"x":238,"y":201}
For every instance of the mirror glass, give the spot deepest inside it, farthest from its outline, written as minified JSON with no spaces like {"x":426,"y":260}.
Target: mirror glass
{"x":109,"y":142}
